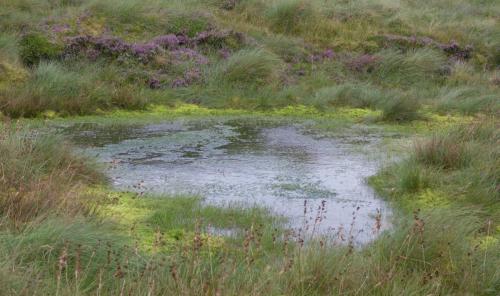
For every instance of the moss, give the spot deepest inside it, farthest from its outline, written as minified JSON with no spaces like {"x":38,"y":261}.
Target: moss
{"x":432,"y":199}
{"x":11,"y":74}
{"x":176,"y":218}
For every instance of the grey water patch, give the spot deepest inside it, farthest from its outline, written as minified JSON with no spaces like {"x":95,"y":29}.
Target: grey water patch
{"x":305,"y":178}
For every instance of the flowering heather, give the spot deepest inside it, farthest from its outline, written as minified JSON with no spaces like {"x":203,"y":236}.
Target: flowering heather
{"x":328,"y":54}
{"x":60,"y":28}
{"x":318,"y":57}
{"x":190,"y":77}
{"x":90,"y":45}
{"x":315,"y":58}
{"x":188,"y":54}
{"x":169,"y":41}
{"x":111,"y":45}
{"x":144,"y":51}
{"x":179,"y":82}
{"x":179,"y":45}
{"x":183,"y":39}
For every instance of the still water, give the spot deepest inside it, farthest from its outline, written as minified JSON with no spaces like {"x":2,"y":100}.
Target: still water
{"x":318,"y":183}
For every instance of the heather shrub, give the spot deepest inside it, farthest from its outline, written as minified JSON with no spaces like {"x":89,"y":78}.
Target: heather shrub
{"x":35,"y":47}
{"x":250,"y":66}
{"x":287,"y":16}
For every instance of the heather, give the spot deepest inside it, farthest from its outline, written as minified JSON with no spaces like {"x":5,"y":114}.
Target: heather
{"x":420,"y":76}
{"x":169,"y":52}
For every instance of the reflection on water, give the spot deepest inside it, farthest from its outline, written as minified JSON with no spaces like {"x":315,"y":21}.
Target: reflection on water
{"x":306,"y":179}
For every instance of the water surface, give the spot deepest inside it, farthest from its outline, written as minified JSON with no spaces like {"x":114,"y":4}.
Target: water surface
{"x":319,"y":184}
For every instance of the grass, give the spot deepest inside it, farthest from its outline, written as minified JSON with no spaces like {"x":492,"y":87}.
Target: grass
{"x":288,"y":16}
{"x":278,"y":53}
{"x":250,"y":67}
{"x":41,"y":177}
{"x":342,"y":64}
{"x":447,"y":243}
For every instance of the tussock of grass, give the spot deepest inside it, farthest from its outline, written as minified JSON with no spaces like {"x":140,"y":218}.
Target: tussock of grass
{"x":53,"y":87}
{"x":467,"y":100}
{"x":352,"y":95}
{"x":41,"y":176}
{"x":462,"y":161}
{"x":413,"y":67}
{"x":289,"y":16}
{"x":250,"y":67}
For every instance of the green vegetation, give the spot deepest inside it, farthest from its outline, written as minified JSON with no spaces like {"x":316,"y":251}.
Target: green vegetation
{"x":249,"y":55}
{"x":36,"y":47}
{"x":41,"y":177}
{"x":143,"y":244}
{"x":429,"y":66}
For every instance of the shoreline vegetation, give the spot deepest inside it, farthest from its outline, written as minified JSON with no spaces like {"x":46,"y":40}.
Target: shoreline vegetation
{"x":427,"y":70}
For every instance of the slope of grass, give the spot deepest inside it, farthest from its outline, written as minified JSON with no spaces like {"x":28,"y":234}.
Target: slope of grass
{"x":246,"y":54}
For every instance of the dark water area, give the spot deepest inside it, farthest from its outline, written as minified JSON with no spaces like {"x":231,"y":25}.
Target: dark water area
{"x":318,"y":183}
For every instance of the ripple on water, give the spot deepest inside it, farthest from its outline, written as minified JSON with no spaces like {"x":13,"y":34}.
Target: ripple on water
{"x":293,"y":173}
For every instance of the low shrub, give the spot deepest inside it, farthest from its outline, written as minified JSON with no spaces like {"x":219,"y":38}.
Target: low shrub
{"x":35,"y":47}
